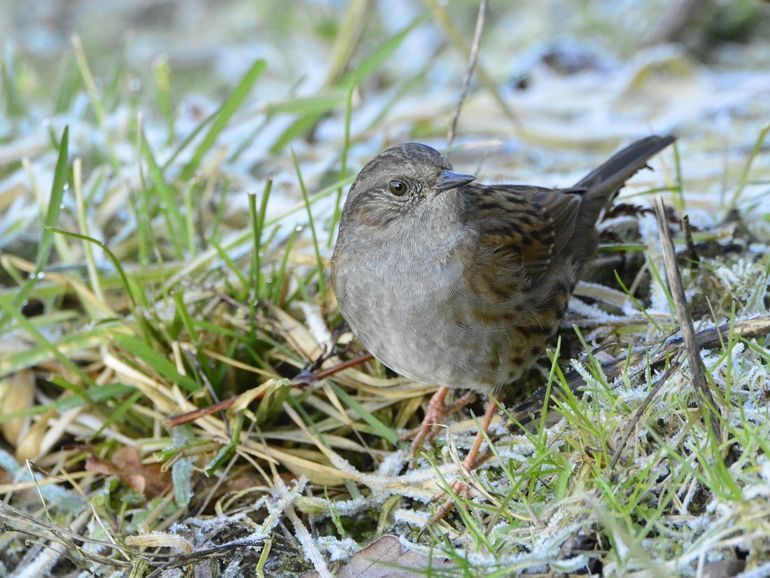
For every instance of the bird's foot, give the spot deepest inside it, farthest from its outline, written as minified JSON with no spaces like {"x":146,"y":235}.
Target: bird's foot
{"x":434,"y":416}
{"x":459,"y":489}
{"x":474,"y":459}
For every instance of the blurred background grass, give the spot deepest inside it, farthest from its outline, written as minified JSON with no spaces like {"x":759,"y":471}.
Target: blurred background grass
{"x":209,"y":146}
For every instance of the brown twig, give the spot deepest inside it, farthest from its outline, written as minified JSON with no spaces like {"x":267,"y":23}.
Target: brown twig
{"x":183,"y":418}
{"x":697,"y":369}
{"x":692,"y":253}
{"x":324,"y":373}
{"x":457,"y":39}
{"x":472,"y":61}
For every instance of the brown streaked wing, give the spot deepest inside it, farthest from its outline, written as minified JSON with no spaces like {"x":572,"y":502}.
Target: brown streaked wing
{"x":563,"y":206}
{"x":511,"y":223}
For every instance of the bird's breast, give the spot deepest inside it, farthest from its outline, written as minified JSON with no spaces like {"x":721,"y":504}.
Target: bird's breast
{"x":408,"y":303}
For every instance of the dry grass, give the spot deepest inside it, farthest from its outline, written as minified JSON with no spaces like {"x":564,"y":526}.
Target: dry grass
{"x":142,"y":284}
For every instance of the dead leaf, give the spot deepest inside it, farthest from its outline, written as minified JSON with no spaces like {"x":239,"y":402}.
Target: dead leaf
{"x":126,"y":465}
{"x":723,"y":568}
{"x":387,"y":558}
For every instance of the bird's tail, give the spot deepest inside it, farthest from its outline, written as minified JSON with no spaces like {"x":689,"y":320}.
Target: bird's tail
{"x":602,"y":183}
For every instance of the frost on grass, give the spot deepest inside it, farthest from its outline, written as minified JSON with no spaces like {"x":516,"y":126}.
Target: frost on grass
{"x":311,"y":484}
{"x":338,"y":550}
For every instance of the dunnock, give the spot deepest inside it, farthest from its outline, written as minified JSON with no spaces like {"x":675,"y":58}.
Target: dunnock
{"x":453,"y":282}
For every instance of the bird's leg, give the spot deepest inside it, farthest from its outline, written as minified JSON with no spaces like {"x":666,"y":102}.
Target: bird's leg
{"x":466,"y":399}
{"x":470,"y":462}
{"x":433,"y":416}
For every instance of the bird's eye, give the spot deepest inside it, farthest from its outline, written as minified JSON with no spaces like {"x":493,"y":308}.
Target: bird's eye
{"x":397,"y":187}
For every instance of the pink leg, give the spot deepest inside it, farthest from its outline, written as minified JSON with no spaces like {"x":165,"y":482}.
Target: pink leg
{"x":470,"y":461}
{"x":433,"y":416}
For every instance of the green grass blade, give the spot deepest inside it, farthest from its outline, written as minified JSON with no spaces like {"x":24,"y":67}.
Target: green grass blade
{"x":308,"y":105}
{"x":226,"y":451}
{"x":298,"y":128}
{"x":14,"y":103}
{"x":24,"y":323}
{"x":69,"y":86}
{"x":168,"y":201}
{"x":96,"y":102}
{"x":60,"y":178}
{"x":156,"y":361}
{"x":97,"y":394}
{"x":237,"y":240}
{"x":373,"y":62}
{"x":379,"y":427}
{"x":223,"y":115}
{"x":316,"y":247}
{"x":130,"y":287}
{"x":162,"y":74}
{"x":115,"y":416}
{"x":758,"y":144}
{"x":310,"y":115}
{"x":343,"y":163}
{"x":678,"y":189}
{"x":258,"y":227}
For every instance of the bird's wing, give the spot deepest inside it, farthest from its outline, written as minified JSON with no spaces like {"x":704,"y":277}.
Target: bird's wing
{"x":562,"y":206}
{"x":524,"y":226}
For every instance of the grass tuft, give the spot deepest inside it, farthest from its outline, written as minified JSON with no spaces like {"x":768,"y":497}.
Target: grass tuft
{"x":178,"y":387}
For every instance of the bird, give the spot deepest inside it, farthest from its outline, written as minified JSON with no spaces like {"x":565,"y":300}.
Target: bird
{"x":451,"y":282}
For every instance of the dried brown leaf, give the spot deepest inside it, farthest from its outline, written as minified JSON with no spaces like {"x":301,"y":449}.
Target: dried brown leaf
{"x":387,"y":558}
{"x":126,"y":465}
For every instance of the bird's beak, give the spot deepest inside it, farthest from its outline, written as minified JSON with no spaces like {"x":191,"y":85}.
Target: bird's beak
{"x":448,"y":180}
